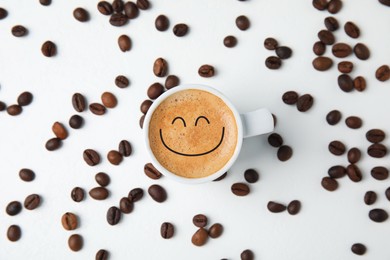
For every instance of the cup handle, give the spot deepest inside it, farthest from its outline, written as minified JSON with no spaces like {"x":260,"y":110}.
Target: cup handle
{"x":257,"y":122}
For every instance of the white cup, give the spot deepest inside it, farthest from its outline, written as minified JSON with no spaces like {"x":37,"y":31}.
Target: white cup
{"x":249,"y":124}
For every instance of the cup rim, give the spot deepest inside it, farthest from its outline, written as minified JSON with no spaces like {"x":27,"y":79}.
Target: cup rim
{"x":172,"y":175}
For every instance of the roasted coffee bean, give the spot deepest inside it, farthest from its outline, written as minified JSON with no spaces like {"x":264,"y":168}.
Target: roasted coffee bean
{"x":273,"y":62}
{"x":75,"y":242}
{"x":240,"y":189}
{"x":102,"y":179}
{"x":354,"y":173}
{"x":113,"y":215}
{"x":143,"y":4}
{"x":167,"y":230}
{"x":76,"y":121}
{"x":117,"y":6}
{"x":305,"y":102}
{"x":206,"y":71}
{"x":294,"y":207}
{"x":215,"y":230}
{"x":200,"y":237}
{"x":319,"y":48}
{"x":131,"y":10}
{"x":221,"y":177}
{"x":53,"y":144}
{"x":380,"y":173}
{"x":333,"y":117}
{"x":283,"y":52}
{"x":3,"y":106}
{"x":160,"y":67}
{"x":337,"y":171}
{"x":125,"y":205}
{"x":59,"y":130}
{"x":284,"y":153}
{"x":383,"y":73}
{"x":80,"y":14}
{"x":345,"y":67}
{"x":99,"y":193}
{"x":161,"y":23}
{"x":251,"y":175}
{"x":387,"y":193}
{"x":358,"y":249}
{"x":230,"y":41}
{"x":359,"y":83}
{"x":3,"y":13}
{"x":290,"y":97}
{"x":334,"y":6}
{"x":370,"y":197}
{"x":171,"y":81}
{"x":329,"y":184}
{"x":320,"y":4}
{"x":361,"y":51}
{"x":152,"y":172}
{"x":118,"y":19}
{"x":385,"y":2}
{"x":19,"y":31}
{"x":180,"y":29}
{"x":91,"y":157}
{"x":109,"y":100}
{"x":69,"y":221}
{"x":124,"y":43}
{"x":104,"y":8}
{"x":25,"y":99}
{"x":326,"y":37}
{"x":13,"y":208}
{"x":275,"y":140}
{"x":242,"y":22}
{"x":77,"y":194}
{"x":26,"y":175}
{"x":247,"y":255}
{"x":276,"y":207}
{"x":14,"y":233}
{"x":341,"y":50}
{"x":14,"y":110}
{"x":114,"y":157}
{"x":353,"y":122}
{"x":141,"y":121}
{"x":354,"y":155}
{"x":270,"y":43}
{"x":136,"y":194}
{"x":45,"y":2}
{"x":97,"y":109}
{"x":122,"y":81}
{"x":49,"y":49}
{"x":375,"y":135}
{"x":155,"y":90}
{"x":157,"y":193}
{"x":200,"y":220}
{"x":378,"y":215}
{"x":32,"y":201}
{"x":351,"y":30}
{"x":345,"y":83}
{"x":331,"y":23}
{"x":322,"y":63}
{"x":125,"y":148}
{"x":78,"y":102}
{"x":102,"y":254}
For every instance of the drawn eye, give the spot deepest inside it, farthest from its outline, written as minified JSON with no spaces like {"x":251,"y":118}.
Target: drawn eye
{"x":205,"y":118}
{"x":179,"y":117}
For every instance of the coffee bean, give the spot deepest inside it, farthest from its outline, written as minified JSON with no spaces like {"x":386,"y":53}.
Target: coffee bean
{"x":319,"y":48}
{"x":284,"y":153}
{"x":157,"y":193}
{"x":383,"y":73}
{"x":334,"y":6}
{"x":75,"y":242}
{"x":78,"y":102}
{"x":353,"y":122}
{"x":326,"y":37}
{"x":329,"y":184}
{"x":294,"y":207}
{"x":102,"y":254}
{"x":136,"y":194}
{"x":152,"y":172}
{"x":125,"y":205}
{"x":200,"y":220}
{"x":320,"y":4}
{"x":290,"y":97}
{"x":361,"y":51}
{"x":200,"y":237}
{"x":354,"y":155}
{"x":160,"y":67}
{"x":109,"y":100}
{"x":125,"y":148}
{"x":341,"y":50}
{"x":59,"y":130}
{"x":351,"y":30}
{"x":276,"y":207}
{"x":99,"y":193}
{"x":77,"y":194}
{"x":117,"y":6}
{"x":242,"y":22}
{"x":167,"y":230}
{"x":375,"y":135}
{"x":322,"y":63}
{"x":337,"y":171}
{"x":155,"y":90}
{"x":49,"y":49}
{"x":215,"y":230}
{"x":380,"y":173}
{"x":13,"y":208}
{"x":91,"y":157}
{"x":354,"y":173}
{"x":221,"y":177}
{"x":53,"y":144}
{"x":333,"y":117}
{"x":161,"y":23}
{"x":345,"y":67}
{"x":14,"y":233}
{"x":378,"y":215}
{"x":206,"y":71}
{"x":19,"y":31}
{"x":240,"y":189}
{"x":331,"y":23}
{"x":358,"y":249}
{"x":275,"y":140}
{"x":270,"y":43}
{"x":26,"y":175}
{"x":97,"y":109}
{"x":359,"y":83}
{"x":114,"y":157}
{"x":122,"y":81}
{"x":370,"y":197}
{"x":80,"y":14}
{"x":3,"y":106}
{"x":251,"y":176}
{"x":118,"y":19}
{"x":124,"y":43}
{"x":76,"y":121}
{"x":172,"y":81}
{"x":247,"y":255}
{"x":385,"y":2}
{"x":69,"y":221}
{"x":25,"y":99}
{"x":141,"y":121}
{"x":283,"y":52}
{"x":345,"y":83}
{"x":273,"y":62}
{"x":131,"y":10}
{"x":32,"y":201}
{"x":3,"y":13}
{"x":45,"y":2}
{"x":104,"y":8}
{"x":143,"y":4}
{"x":180,"y":29}
{"x":305,"y":102}
{"x":113,"y":215}
{"x":387,"y":193}
{"x":14,"y":110}
{"x":102,"y":179}
{"x":230,"y":41}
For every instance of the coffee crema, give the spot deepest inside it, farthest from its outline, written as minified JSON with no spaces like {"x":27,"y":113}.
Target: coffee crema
{"x":193,"y":133}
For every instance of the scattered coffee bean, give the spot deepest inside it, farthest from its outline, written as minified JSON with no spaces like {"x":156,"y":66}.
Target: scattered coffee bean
{"x":25,"y":99}
{"x":180,"y":29}
{"x":76,"y":121}
{"x":354,"y":155}
{"x":167,"y":230}
{"x":26,"y":175}
{"x":377,"y":150}
{"x":337,"y":171}
{"x":13,"y":208}
{"x":99,"y":193}
{"x":242,"y":22}
{"x":345,"y":83}
{"x":290,"y":97}
{"x":215,"y":230}
{"x":353,"y":122}
{"x":354,"y":173}
{"x":19,"y":31}
{"x":78,"y":102}
{"x":329,"y":184}
{"x":370,"y":197}
{"x":326,"y":37}
{"x":109,"y":100}
{"x":359,"y":83}
{"x":385,"y":2}
{"x":53,"y":144}
{"x":75,"y":242}
{"x":113,"y":215}
{"x":161,"y":23}
{"x":143,"y":4}
{"x":125,"y":205}
{"x":240,"y":189}
{"x":358,"y":249}
{"x":59,"y":130}
{"x":387,"y":193}
{"x":247,"y":255}
{"x":251,"y":176}
{"x":275,"y":140}
{"x":131,"y":10}
{"x":284,"y":153}
{"x":97,"y":109}
{"x":333,"y":117}
{"x":122,"y":81}
{"x":49,"y":49}
{"x":345,"y":66}
{"x":152,"y":172}
{"x":3,"y":13}
{"x":155,"y":90}
{"x":283,"y":52}
{"x":270,"y":43}
{"x":305,"y":102}
{"x":118,"y":19}
{"x":80,"y":14}
{"x":221,"y":177}
{"x":334,"y":6}
{"x":69,"y":221}
{"x":171,"y":81}
{"x":141,"y":121}
{"x":383,"y":73}
{"x":351,"y":30}
{"x":157,"y":193}
{"x":206,"y":71}
{"x":375,"y":135}
{"x":160,"y":67}
{"x":320,"y":4}
{"x":200,"y":220}
{"x":331,"y":23}
{"x":102,"y":179}
{"x":118,"y":6}
{"x":77,"y":194}
{"x":136,"y":194}
{"x":114,"y":157}
{"x":230,"y":41}
{"x":276,"y":207}
{"x":294,"y":207}
{"x":3,"y":106}
{"x":14,"y":233}
{"x":378,"y":215}
{"x":322,"y":63}
{"x":125,"y":148}
{"x":273,"y":62}
{"x":361,"y":51}
{"x":319,"y":48}
{"x":145,"y":105}
{"x":341,"y":50}
{"x":200,"y":237}
{"x":91,"y":157}
{"x":45,"y":2}
{"x":32,"y":201}
{"x":14,"y":110}
{"x":124,"y":43}
{"x":102,"y":254}
{"x":105,"y":8}
{"x":380,"y":173}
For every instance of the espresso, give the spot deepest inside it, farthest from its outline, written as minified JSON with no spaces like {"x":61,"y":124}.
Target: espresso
{"x":193,"y":133}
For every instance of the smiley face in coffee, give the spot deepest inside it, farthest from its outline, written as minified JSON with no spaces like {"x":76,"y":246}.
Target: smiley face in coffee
{"x":193,"y":133}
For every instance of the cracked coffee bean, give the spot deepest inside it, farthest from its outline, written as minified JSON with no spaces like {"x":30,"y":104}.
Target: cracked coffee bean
{"x":167,"y":230}
{"x":78,"y":102}
{"x":152,"y":172}
{"x":69,"y":221}
{"x":49,"y":49}
{"x":91,"y":157}
{"x":113,"y":215}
